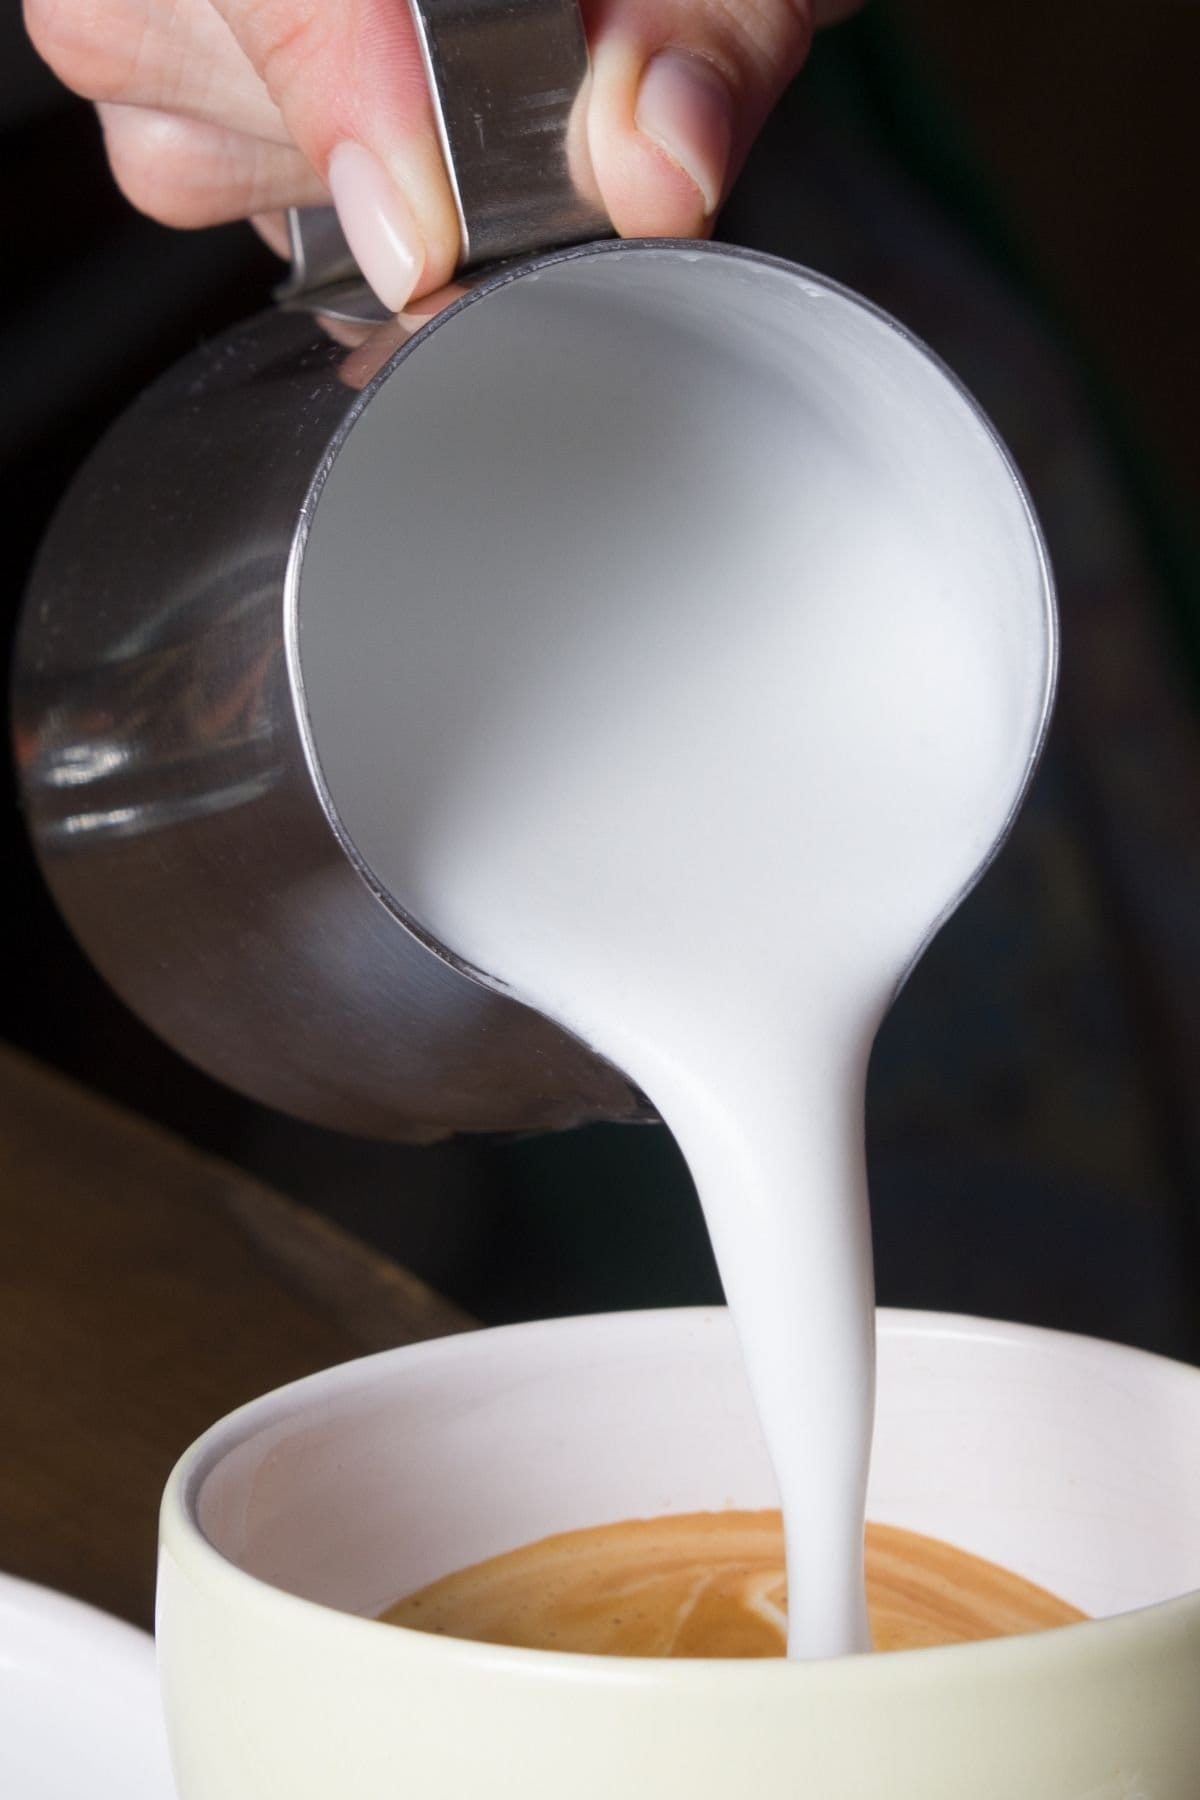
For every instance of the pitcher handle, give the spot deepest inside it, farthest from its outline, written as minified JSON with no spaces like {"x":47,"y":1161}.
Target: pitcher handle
{"x":508,"y":79}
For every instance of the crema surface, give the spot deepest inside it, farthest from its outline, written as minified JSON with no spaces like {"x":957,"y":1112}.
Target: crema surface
{"x":714,"y":1584}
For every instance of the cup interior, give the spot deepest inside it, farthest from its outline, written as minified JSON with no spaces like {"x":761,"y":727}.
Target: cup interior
{"x":1072,"y":1462}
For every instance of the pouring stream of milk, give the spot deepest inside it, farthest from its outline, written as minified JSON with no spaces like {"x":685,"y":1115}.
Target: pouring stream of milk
{"x":690,"y":687}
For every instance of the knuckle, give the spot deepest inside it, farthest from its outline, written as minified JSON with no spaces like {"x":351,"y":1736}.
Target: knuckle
{"x":48,"y":32}
{"x":79,"y":42}
{"x":39,"y":26}
{"x":771,"y":37}
{"x":280,"y":37}
{"x":151,"y":170}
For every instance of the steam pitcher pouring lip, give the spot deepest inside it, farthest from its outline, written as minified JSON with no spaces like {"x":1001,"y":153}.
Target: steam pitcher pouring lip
{"x":172,"y":778}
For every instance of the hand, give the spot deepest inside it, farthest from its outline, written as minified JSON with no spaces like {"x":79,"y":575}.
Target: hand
{"x":227,"y":109}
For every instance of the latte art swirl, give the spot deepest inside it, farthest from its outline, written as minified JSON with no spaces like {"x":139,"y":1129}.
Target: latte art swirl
{"x":711,"y":1585}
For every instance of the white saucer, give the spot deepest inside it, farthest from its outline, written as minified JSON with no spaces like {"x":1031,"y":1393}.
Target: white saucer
{"x":79,"y":1714}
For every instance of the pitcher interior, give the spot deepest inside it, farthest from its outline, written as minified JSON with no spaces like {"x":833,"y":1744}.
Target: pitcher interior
{"x":600,"y":462}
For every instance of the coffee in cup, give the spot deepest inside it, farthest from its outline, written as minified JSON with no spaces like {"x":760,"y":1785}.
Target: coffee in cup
{"x":714,"y":1584}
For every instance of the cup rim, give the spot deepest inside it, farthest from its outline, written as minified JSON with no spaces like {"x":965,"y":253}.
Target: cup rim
{"x":182,"y":1537}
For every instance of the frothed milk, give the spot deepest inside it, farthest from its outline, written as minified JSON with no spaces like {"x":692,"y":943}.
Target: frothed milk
{"x":689,"y":654}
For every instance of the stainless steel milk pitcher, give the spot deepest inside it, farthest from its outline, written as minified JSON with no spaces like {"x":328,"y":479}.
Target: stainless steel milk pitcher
{"x":170,"y":782}
{"x":203,"y":780}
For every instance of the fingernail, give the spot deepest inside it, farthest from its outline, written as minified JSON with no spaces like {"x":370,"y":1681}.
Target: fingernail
{"x":378,"y":222}
{"x":685,"y":105}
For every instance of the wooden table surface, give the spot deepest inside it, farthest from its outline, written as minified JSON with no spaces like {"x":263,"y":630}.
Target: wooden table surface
{"x":145,"y":1289}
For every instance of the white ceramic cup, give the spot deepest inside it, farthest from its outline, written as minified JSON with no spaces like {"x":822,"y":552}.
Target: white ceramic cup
{"x":1072,"y":1462}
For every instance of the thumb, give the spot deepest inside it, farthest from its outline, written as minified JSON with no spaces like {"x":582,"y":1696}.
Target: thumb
{"x":679,"y":91}
{"x":349,"y":81}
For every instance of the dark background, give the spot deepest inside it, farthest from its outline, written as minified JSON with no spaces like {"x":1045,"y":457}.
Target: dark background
{"x":1018,"y":183}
